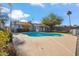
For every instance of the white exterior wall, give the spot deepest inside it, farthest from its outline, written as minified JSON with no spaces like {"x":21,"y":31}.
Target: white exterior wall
{"x":75,"y":31}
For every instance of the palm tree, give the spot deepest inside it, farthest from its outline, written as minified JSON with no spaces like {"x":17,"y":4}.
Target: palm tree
{"x":2,"y":20}
{"x":69,"y":13}
{"x":10,"y":5}
{"x":51,"y":20}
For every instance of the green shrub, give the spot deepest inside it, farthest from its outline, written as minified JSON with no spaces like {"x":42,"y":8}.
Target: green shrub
{"x":6,"y":46}
{"x":4,"y":37}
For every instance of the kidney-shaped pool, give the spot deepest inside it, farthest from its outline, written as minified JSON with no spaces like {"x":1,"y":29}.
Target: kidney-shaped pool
{"x":38,"y":34}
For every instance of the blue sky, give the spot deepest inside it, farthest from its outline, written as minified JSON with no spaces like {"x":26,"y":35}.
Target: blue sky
{"x":38,"y":11}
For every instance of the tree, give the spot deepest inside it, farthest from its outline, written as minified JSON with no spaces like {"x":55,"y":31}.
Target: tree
{"x":69,"y":13}
{"x":3,"y":39}
{"x":10,"y":5}
{"x":2,"y":21}
{"x":51,"y":20}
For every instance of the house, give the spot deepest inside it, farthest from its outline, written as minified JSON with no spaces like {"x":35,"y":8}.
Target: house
{"x":75,"y":30}
{"x":32,"y":27}
{"x":20,"y":26}
{"x":39,"y":28}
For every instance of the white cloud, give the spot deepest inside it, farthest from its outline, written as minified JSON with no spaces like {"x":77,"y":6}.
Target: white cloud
{"x":67,"y":3}
{"x":18,"y":15}
{"x":58,"y":4}
{"x":61,"y":4}
{"x":37,"y":4}
{"x":38,"y":21}
{"x":53,"y":3}
{"x":23,"y":20}
{"x":26,"y":15}
{"x":4,"y":10}
{"x":39,"y":1}
{"x":77,"y":4}
{"x":35,"y":1}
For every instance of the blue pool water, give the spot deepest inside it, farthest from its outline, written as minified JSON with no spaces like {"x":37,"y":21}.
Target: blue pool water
{"x":37,"y":34}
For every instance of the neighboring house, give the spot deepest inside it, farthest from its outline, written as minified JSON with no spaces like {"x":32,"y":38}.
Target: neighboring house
{"x":39,"y":28}
{"x":14,"y":26}
{"x":34,"y":27}
{"x":75,"y":30}
{"x":31,"y":27}
{"x":20,"y":26}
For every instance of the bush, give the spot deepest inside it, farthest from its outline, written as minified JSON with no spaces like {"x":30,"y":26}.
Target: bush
{"x":3,"y":39}
{"x":6,"y":46}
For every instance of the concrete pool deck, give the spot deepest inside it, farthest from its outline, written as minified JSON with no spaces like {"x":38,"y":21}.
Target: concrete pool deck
{"x":45,"y":46}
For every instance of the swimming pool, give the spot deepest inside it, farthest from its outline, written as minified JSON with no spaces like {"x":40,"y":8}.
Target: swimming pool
{"x":38,"y":34}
